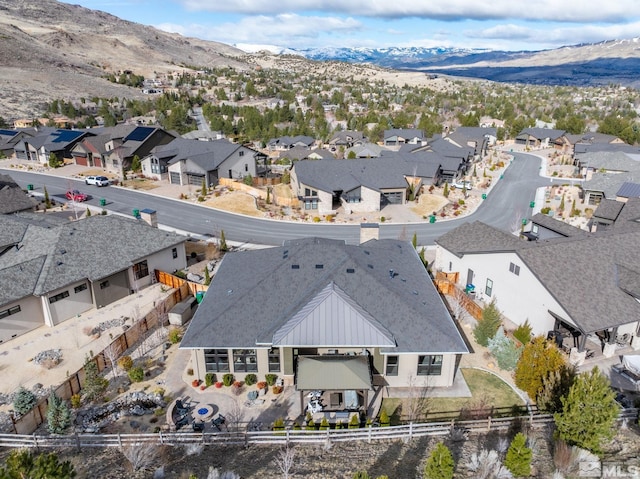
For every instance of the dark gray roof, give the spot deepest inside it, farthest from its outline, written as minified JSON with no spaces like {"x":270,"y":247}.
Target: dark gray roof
{"x":610,"y":183}
{"x":610,"y":161}
{"x":581,"y":272}
{"x":581,"y":149}
{"x":557,"y":226}
{"x":12,"y":198}
{"x":256,"y":293}
{"x":629,"y":190}
{"x":406,"y":133}
{"x":608,"y":209}
{"x":206,"y":154}
{"x":541,"y":133}
{"x":92,"y":248}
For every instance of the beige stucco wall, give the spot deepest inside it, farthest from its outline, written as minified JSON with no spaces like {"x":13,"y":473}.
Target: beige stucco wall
{"x":30,"y":317}
{"x":370,"y":201}
{"x":408,"y":367}
{"x":162,"y":261}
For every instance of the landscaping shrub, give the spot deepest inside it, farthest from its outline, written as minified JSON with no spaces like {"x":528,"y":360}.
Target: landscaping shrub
{"x":23,"y":401}
{"x":488,"y":324}
{"x":504,"y":350}
{"x":136,"y":374}
{"x":228,"y":379}
{"x":354,"y":422}
{"x":175,"y":335}
{"x":518,"y":459}
{"x":250,"y":379}
{"x":58,"y":415}
{"x":209,"y":379}
{"x":523,"y":332}
{"x":278,"y":425}
{"x":237,"y":388}
{"x":440,"y":464}
{"x":271,"y":379}
{"x":190,"y":372}
{"x":539,"y":359}
{"x":324,"y":424}
{"x":125,"y":363}
{"x":311,"y":425}
{"x":384,"y":419}
{"x":76,"y":401}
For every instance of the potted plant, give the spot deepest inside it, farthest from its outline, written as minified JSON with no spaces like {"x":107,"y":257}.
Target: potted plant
{"x":195,"y":383}
{"x":218,"y":384}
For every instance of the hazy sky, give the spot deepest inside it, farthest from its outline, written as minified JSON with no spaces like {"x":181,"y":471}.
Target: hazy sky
{"x":494,"y":24}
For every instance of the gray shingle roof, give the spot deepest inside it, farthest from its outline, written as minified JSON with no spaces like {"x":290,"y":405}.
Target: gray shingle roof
{"x":608,"y":209}
{"x":12,"y":198}
{"x":559,"y":227}
{"x":256,"y":293}
{"x":541,"y":133}
{"x":206,"y":154}
{"x":581,"y":272}
{"x":91,"y":248}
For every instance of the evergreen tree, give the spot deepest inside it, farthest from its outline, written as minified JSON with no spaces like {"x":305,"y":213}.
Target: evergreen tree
{"x":222,"y":246}
{"x":518,"y":459}
{"x":445,"y":191}
{"x":414,"y":241}
{"x":207,"y":276}
{"x":488,"y":325}
{"x":47,"y":200}
{"x":54,"y":161}
{"x":204,"y":190}
{"x":58,"y":414}
{"x":588,"y":413}
{"x":136,"y":165}
{"x":94,"y":384}
{"x":554,"y":388}
{"x":23,"y":401}
{"x":21,"y":464}
{"x":440,"y":464}
{"x":539,"y":359}
{"x":88,"y":213}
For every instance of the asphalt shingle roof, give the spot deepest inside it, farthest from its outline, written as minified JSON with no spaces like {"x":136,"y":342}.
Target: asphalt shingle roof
{"x":255,"y":293}
{"x":12,"y":198}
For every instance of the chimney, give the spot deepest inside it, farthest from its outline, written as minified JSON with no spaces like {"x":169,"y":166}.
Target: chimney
{"x":369,"y":231}
{"x":149,"y":216}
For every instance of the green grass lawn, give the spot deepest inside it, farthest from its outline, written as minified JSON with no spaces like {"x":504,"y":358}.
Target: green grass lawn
{"x":488,"y":391}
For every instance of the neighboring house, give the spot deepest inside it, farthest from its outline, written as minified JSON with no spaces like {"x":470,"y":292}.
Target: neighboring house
{"x":544,"y":138}
{"x":284,"y":143}
{"x":605,"y":215}
{"x":365,"y":150}
{"x":585,"y":148}
{"x":543,"y":227}
{"x":190,"y":162}
{"x":10,"y":138}
{"x":606,"y":186}
{"x":628,"y":190}
{"x":356,"y":185}
{"x":50,"y":273}
{"x":583,"y":285}
{"x":139,"y":142}
{"x":358,"y":321}
{"x":591,"y":163}
{"x":48,"y":141}
{"x":12,"y":198}
{"x":480,"y":139}
{"x":346,"y":139}
{"x":400,"y":136}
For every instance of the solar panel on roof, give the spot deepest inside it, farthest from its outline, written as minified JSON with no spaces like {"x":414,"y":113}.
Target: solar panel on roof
{"x":139,"y":134}
{"x":8,"y":132}
{"x":65,"y":136}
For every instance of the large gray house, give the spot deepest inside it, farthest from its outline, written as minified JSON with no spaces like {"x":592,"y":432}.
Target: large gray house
{"x":323,"y":315}
{"x":50,"y":273}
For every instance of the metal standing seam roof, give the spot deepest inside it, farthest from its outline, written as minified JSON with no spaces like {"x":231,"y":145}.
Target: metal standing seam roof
{"x":629,"y":190}
{"x":328,"y":373}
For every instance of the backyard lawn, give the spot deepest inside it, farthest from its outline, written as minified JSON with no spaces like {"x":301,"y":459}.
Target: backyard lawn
{"x":491,"y":396}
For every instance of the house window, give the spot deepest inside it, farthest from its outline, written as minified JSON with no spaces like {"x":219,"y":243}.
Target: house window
{"x":58,"y":297}
{"x":311,"y":205}
{"x":514,"y":268}
{"x":430,"y":365}
{"x":80,"y":288}
{"x":174,"y":253}
{"x":274,"y":360}
{"x":488,"y":288}
{"x":245,"y":360}
{"x":116,"y":163}
{"x":104,"y":284}
{"x":10,"y":311}
{"x":216,"y":360}
{"x":392,"y":366}
{"x":534,"y":229}
{"x":310,"y":192}
{"x":241,"y":153}
{"x":141,"y":269}
{"x":246,"y":167}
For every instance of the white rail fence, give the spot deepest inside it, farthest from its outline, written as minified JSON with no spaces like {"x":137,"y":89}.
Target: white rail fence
{"x":368,"y":434}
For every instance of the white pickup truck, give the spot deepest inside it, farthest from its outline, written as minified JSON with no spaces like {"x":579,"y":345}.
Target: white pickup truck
{"x":97,"y":180}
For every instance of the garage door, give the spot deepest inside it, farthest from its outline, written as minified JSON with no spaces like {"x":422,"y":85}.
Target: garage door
{"x":15,"y":321}
{"x":174,"y":178}
{"x":394,"y":198}
{"x":195,"y":180}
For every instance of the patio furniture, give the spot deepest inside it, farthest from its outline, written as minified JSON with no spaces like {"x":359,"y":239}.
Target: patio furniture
{"x":182,"y":421}
{"x":251,"y":395}
{"x":197,"y":426}
{"x":219,"y":421}
{"x":181,"y":408}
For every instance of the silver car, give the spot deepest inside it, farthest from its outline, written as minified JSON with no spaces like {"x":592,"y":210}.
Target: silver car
{"x":97,"y":180}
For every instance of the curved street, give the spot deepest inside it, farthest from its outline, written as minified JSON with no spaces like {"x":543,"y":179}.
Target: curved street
{"x":506,"y":205}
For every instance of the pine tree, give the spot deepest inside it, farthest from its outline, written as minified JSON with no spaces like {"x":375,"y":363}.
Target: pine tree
{"x":488,"y":325}
{"x":414,"y":241}
{"x":88,"y":213}
{"x":445,"y":191}
{"x":23,"y":401}
{"x":94,"y":384}
{"x":440,"y":464}
{"x":539,"y":359}
{"x":58,"y":414}
{"x":136,"y":165}
{"x":588,"y":413}
{"x":554,"y":388}
{"x":22,"y":464}
{"x":222,"y":246}
{"x":518,"y":459}
{"x":207,"y":276}
{"x":203,"y":189}
{"x":47,"y":200}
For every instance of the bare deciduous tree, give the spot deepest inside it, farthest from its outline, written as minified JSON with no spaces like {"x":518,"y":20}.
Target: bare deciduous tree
{"x":234,"y":416}
{"x":142,"y":456}
{"x":111,"y":354}
{"x":285,"y":459}
{"x":419,"y":400}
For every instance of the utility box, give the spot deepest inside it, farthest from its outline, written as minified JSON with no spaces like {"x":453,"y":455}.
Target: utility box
{"x":183,"y":311}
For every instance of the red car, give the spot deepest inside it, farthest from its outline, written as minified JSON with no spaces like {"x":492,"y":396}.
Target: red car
{"x":75,"y":195}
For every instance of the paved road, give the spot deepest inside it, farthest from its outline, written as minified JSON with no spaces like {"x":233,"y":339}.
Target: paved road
{"x":504,"y":208}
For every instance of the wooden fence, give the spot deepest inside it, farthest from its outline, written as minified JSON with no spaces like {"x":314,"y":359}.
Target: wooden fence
{"x":185,"y":287}
{"x":368,"y":434}
{"x":30,"y":421}
{"x":446,"y":284}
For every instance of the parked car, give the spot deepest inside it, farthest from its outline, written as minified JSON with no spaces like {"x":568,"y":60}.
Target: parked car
{"x":75,"y":195}
{"x":97,"y":180}
{"x":460,"y":184}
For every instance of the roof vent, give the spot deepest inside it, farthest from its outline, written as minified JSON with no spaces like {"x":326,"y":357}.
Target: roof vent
{"x":295,"y":266}
{"x":366,"y":252}
{"x":370,"y":266}
{"x":415,"y":292}
{"x":229,"y":291}
{"x":351,"y":270}
{"x":59,"y":263}
{"x":63,"y":251}
{"x":319,"y":266}
{"x":392,"y":273}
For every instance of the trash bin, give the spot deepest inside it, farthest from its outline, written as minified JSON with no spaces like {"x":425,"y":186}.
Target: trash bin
{"x":103,"y":202}
{"x":30,"y":187}
{"x":484,"y":196}
{"x":432,"y":219}
{"x":199,"y":296}
{"x":136,"y":213}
